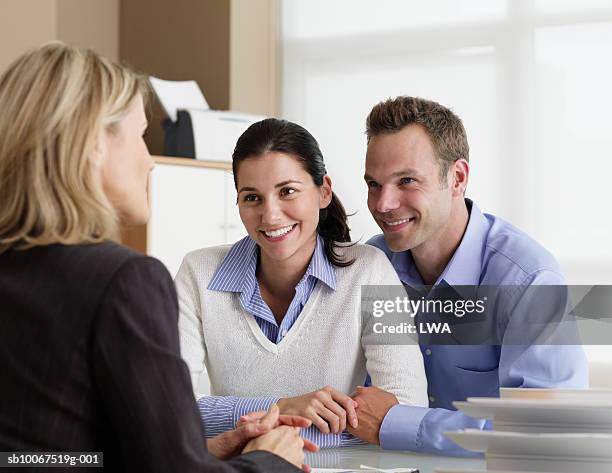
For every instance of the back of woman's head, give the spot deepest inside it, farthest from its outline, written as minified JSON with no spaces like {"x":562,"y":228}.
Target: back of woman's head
{"x":55,"y":101}
{"x":282,"y":136}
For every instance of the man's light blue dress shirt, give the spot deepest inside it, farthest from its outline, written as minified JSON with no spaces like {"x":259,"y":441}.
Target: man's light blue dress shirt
{"x":491,"y":253}
{"x":237,"y":273}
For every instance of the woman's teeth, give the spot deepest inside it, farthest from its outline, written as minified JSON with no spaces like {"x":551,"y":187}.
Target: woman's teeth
{"x":279,"y":232}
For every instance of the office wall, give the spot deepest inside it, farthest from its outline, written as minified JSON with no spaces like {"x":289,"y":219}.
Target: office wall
{"x":183,"y":39}
{"x":254,"y":58}
{"x":178,"y":40}
{"x":228,"y":46}
{"x":25,"y":24}
{"x":90,"y":23}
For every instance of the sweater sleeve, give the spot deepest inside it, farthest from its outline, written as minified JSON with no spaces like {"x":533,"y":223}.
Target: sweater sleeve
{"x":223,"y":412}
{"x":398,"y":369}
{"x":193,"y":349}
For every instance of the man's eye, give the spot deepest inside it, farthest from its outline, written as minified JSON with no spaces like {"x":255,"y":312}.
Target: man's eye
{"x":250,"y":198}
{"x":287,"y":191}
{"x":406,"y":180}
{"x":372,"y":184}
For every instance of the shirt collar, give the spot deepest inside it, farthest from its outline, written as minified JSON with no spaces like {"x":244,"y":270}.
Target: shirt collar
{"x":404,"y":265}
{"x":464,"y":268}
{"x":236,"y":273}
{"x":321,"y":267}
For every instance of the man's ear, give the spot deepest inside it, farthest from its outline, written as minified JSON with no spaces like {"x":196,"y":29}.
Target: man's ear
{"x":326,"y":192}
{"x":460,"y":175}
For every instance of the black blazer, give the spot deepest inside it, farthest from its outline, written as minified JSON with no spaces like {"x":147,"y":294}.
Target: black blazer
{"x":90,"y":361}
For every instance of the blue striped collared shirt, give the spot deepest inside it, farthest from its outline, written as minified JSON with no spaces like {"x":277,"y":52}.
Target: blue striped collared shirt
{"x":237,"y":273}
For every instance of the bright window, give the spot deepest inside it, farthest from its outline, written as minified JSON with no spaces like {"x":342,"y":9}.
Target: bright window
{"x":531,"y":79}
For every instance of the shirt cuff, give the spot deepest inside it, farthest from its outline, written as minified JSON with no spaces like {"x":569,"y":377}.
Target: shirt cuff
{"x":401,"y":428}
{"x":216,"y":414}
{"x":245,"y":405}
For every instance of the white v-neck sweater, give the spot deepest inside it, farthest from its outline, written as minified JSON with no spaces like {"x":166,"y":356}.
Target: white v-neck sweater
{"x":323,"y":347}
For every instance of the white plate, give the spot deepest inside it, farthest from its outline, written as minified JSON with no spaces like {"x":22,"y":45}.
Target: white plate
{"x":555,"y":446}
{"x":567,"y":394}
{"x":536,"y":415}
{"x":446,"y":470}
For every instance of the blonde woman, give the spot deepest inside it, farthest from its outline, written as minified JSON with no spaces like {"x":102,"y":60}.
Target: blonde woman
{"x":89,"y":346}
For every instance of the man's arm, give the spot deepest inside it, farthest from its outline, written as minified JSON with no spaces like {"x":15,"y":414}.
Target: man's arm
{"x":536,"y":366}
{"x":382,"y":420}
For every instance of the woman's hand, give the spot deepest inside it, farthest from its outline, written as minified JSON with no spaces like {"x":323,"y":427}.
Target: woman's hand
{"x":250,"y":426}
{"x":327,"y":408}
{"x":284,"y":441}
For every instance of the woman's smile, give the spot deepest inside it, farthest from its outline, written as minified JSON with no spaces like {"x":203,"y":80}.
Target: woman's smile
{"x":278,"y":234}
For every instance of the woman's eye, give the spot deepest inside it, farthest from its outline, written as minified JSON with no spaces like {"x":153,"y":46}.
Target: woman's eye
{"x":287,"y":191}
{"x":250,"y":198}
{"x":406,"y":180}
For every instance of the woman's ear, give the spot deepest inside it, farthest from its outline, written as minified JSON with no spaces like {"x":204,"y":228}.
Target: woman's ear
{"x":326,"y":192}
{"x":98,"y":154}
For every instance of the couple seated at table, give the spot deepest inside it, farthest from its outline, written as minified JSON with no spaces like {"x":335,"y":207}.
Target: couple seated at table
{"x":275,"y":318}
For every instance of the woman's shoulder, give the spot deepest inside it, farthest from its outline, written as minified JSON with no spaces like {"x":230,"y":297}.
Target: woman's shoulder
{"x":82,"y":271}
{"x":203,"y":262}
{"x":369,"y":263}
{"x":102,"y":259}
{"x":208,"y":255}
{"x":365,"y":254}
{"x":370,"y":267}
{"x":108,"y":260}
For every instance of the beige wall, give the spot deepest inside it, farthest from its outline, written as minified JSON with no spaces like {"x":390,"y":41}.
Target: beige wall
{"x":25,"y":24}
{"x":177,"y":40}
{"x":228,"y":46}
{"x":254,"y":61}
{"x":90,"y":24}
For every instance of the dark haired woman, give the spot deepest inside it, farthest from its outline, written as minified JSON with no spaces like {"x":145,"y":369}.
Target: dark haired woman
{"x":276,"y":316}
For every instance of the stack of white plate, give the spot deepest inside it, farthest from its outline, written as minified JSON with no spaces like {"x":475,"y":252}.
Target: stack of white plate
{"x":541,"y":430}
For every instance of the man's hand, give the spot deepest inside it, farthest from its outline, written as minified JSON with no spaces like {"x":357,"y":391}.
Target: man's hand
{"x":250,"y":426}
{"x":374,"y":403}
{"x":327,"y":408}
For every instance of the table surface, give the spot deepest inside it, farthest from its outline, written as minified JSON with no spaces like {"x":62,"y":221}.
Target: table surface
{"x":351,"y":457}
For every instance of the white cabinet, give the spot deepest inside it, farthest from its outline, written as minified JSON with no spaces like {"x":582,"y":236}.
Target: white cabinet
{"x":192,"y":206}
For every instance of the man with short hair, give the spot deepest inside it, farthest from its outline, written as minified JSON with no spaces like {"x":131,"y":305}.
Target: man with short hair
{"x":417,"y":172}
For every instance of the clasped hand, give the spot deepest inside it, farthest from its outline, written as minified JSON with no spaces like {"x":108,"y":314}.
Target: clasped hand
{"x":269,"y":431}
{"x":328,"y":409}
{"x":374,"y":403}
{"x":331,"y":411}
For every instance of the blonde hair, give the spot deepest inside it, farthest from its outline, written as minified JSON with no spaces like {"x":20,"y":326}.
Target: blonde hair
{"x":55,"y":102}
